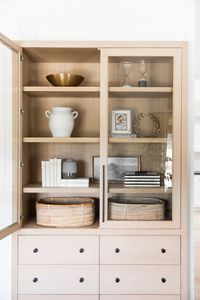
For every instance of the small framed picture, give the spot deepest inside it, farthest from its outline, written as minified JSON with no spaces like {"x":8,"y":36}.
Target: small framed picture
{"x":121,"y":121}
{"x":117,"y":167}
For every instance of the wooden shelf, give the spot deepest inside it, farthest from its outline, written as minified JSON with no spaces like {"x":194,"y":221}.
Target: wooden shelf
{"x":118,"y":140}
{"x":86,"y":140}
{"x":37,"y":188}
{"x":140,"y":91}
{"x":120,"y":189}
{"x":57,"y":91}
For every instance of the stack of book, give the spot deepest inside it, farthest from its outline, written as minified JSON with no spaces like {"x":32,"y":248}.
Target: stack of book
{"x":52,"y":175}
{"x":142,"y":179}
{"x":51,"y":172}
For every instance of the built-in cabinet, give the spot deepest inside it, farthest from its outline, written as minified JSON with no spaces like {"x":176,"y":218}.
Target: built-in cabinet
{"x":114,"y":258}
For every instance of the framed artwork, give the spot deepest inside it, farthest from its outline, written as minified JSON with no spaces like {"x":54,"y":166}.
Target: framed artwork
{"x":121,"y":122}
{"x":117,"y":167}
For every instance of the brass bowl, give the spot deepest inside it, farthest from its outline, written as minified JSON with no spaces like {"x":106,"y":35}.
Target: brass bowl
{"x":64,"y":79}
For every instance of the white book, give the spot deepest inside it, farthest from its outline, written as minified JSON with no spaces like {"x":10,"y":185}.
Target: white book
{"x":47,"y":165}
{"x":43,"y":170}
{"x":58,"y":171}
{"x":72,"y":183}
{"x":51,"y":171}
{"x":55,"y":171}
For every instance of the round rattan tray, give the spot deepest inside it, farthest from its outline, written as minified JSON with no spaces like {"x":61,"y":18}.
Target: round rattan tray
{"x":137,"y":208}
{"x":65,"y":212}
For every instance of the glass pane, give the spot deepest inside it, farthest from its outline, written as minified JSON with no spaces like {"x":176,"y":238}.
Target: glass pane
{"x":8,"y":136}
{"x":140,"y":144}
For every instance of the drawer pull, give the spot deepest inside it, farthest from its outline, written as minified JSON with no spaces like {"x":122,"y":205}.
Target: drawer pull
{"x":163,"y":250}
{"x":117,"y":250}
{"x":35,"y":279}
{"x":163,"y":280}
{"x":35,"y":250}
{"x":117,"y":280}
{"x":81,"y":250}
{"x":81,"y":279}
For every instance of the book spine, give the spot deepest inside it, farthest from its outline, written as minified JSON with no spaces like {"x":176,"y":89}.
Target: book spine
{"x":47,"y":173}
{"x":43,"y":167}
{"x":51,"y":174}
{"x":55,"y":171}
{"x":58,"y":172}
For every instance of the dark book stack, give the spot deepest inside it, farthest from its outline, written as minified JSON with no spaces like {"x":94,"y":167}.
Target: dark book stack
{"x":142,"y":179}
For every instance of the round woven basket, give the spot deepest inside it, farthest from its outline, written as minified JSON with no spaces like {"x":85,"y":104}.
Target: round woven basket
{"x":65,"y":212}
{"x":138,"y":209}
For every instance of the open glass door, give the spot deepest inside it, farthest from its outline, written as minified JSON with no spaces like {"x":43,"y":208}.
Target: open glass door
{"x":9,"y":136}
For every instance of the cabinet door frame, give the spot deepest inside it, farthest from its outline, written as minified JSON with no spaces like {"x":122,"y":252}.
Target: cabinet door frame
{"x":178,"y":164}
{"x":17,"y":64}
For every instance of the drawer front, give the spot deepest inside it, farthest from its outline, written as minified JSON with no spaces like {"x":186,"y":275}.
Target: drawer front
{"x":55,"y":280}
{"x":140,"y":250}
{"x":143,"y":279}
{"x":58,"y":297}
{"x":138,"y":297}
{"x":58,"y":250}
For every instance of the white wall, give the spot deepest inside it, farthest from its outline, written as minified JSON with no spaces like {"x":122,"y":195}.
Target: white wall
{"x":97,"y":19}
{"x":103,"y":20}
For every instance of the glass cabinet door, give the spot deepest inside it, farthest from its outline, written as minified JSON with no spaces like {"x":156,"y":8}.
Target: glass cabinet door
{"x":9,"y":136}
{"x":140,"y":137}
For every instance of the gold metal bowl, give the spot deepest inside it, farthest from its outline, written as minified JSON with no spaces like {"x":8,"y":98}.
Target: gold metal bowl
{"x":64,"y":79}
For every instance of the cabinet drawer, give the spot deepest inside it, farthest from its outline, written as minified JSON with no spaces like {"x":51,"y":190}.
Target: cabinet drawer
{"x":134,"y":279}
{"x":55,"y":280}
{"x":58,"y":250}
{"x":140,"y":250}
{"x":58,"y":297}
{"x":137,"y":297}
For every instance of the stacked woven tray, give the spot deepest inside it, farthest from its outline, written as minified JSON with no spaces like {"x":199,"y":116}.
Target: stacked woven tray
{"x":65,"y":212}
{"x":137,"y":208}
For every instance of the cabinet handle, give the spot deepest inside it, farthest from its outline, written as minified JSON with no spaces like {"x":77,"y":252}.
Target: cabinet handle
{"x":163,"y":280}
{"x":163,"y":250}
{"x":81,"y":279}
{"x":103,"y":193}
{"x":35,"y":279}
{"x":117,"y":280}
{"x":81,"y":250}
{"x":117,"y":250}
{"x":35,"y":250}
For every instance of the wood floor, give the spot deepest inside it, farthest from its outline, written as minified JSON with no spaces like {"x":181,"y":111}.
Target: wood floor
{"x":197,"y":253}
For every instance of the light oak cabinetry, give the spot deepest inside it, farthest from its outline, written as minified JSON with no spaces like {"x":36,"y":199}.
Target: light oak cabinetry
{"x":112,"y":259}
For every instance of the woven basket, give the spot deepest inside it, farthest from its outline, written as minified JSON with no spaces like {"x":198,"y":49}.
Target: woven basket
{"x":138,"y":208}
{"x":65,"y":212}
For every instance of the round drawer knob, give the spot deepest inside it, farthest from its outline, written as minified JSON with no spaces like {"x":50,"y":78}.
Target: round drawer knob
{"x":35,"y":279}
{"x":117,"y":250}
{"x":163,"y":250}
{"x":117,"y":280}
{"x":81,"y":279}
{"x":35,"y":250}
{"x":163,"y":280}
{"x":81,"y":250}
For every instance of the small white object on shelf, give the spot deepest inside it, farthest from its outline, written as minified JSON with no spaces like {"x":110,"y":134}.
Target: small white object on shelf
{"x":76,"y":182}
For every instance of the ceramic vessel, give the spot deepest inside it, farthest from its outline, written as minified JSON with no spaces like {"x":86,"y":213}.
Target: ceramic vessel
{"x":61,"y":121}
{"x":69,"y":169}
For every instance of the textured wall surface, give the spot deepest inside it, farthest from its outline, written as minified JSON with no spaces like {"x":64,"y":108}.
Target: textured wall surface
{"x":100,"y":20}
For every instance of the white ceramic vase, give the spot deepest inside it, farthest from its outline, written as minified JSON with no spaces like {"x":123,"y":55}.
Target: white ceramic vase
{"x":61,"y":121}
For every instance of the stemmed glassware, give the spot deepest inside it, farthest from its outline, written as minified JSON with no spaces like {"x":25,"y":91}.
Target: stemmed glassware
{"x":127,"y":68}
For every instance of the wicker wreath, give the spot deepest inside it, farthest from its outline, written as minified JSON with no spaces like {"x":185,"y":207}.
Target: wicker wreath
{"x":155,"y":126}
